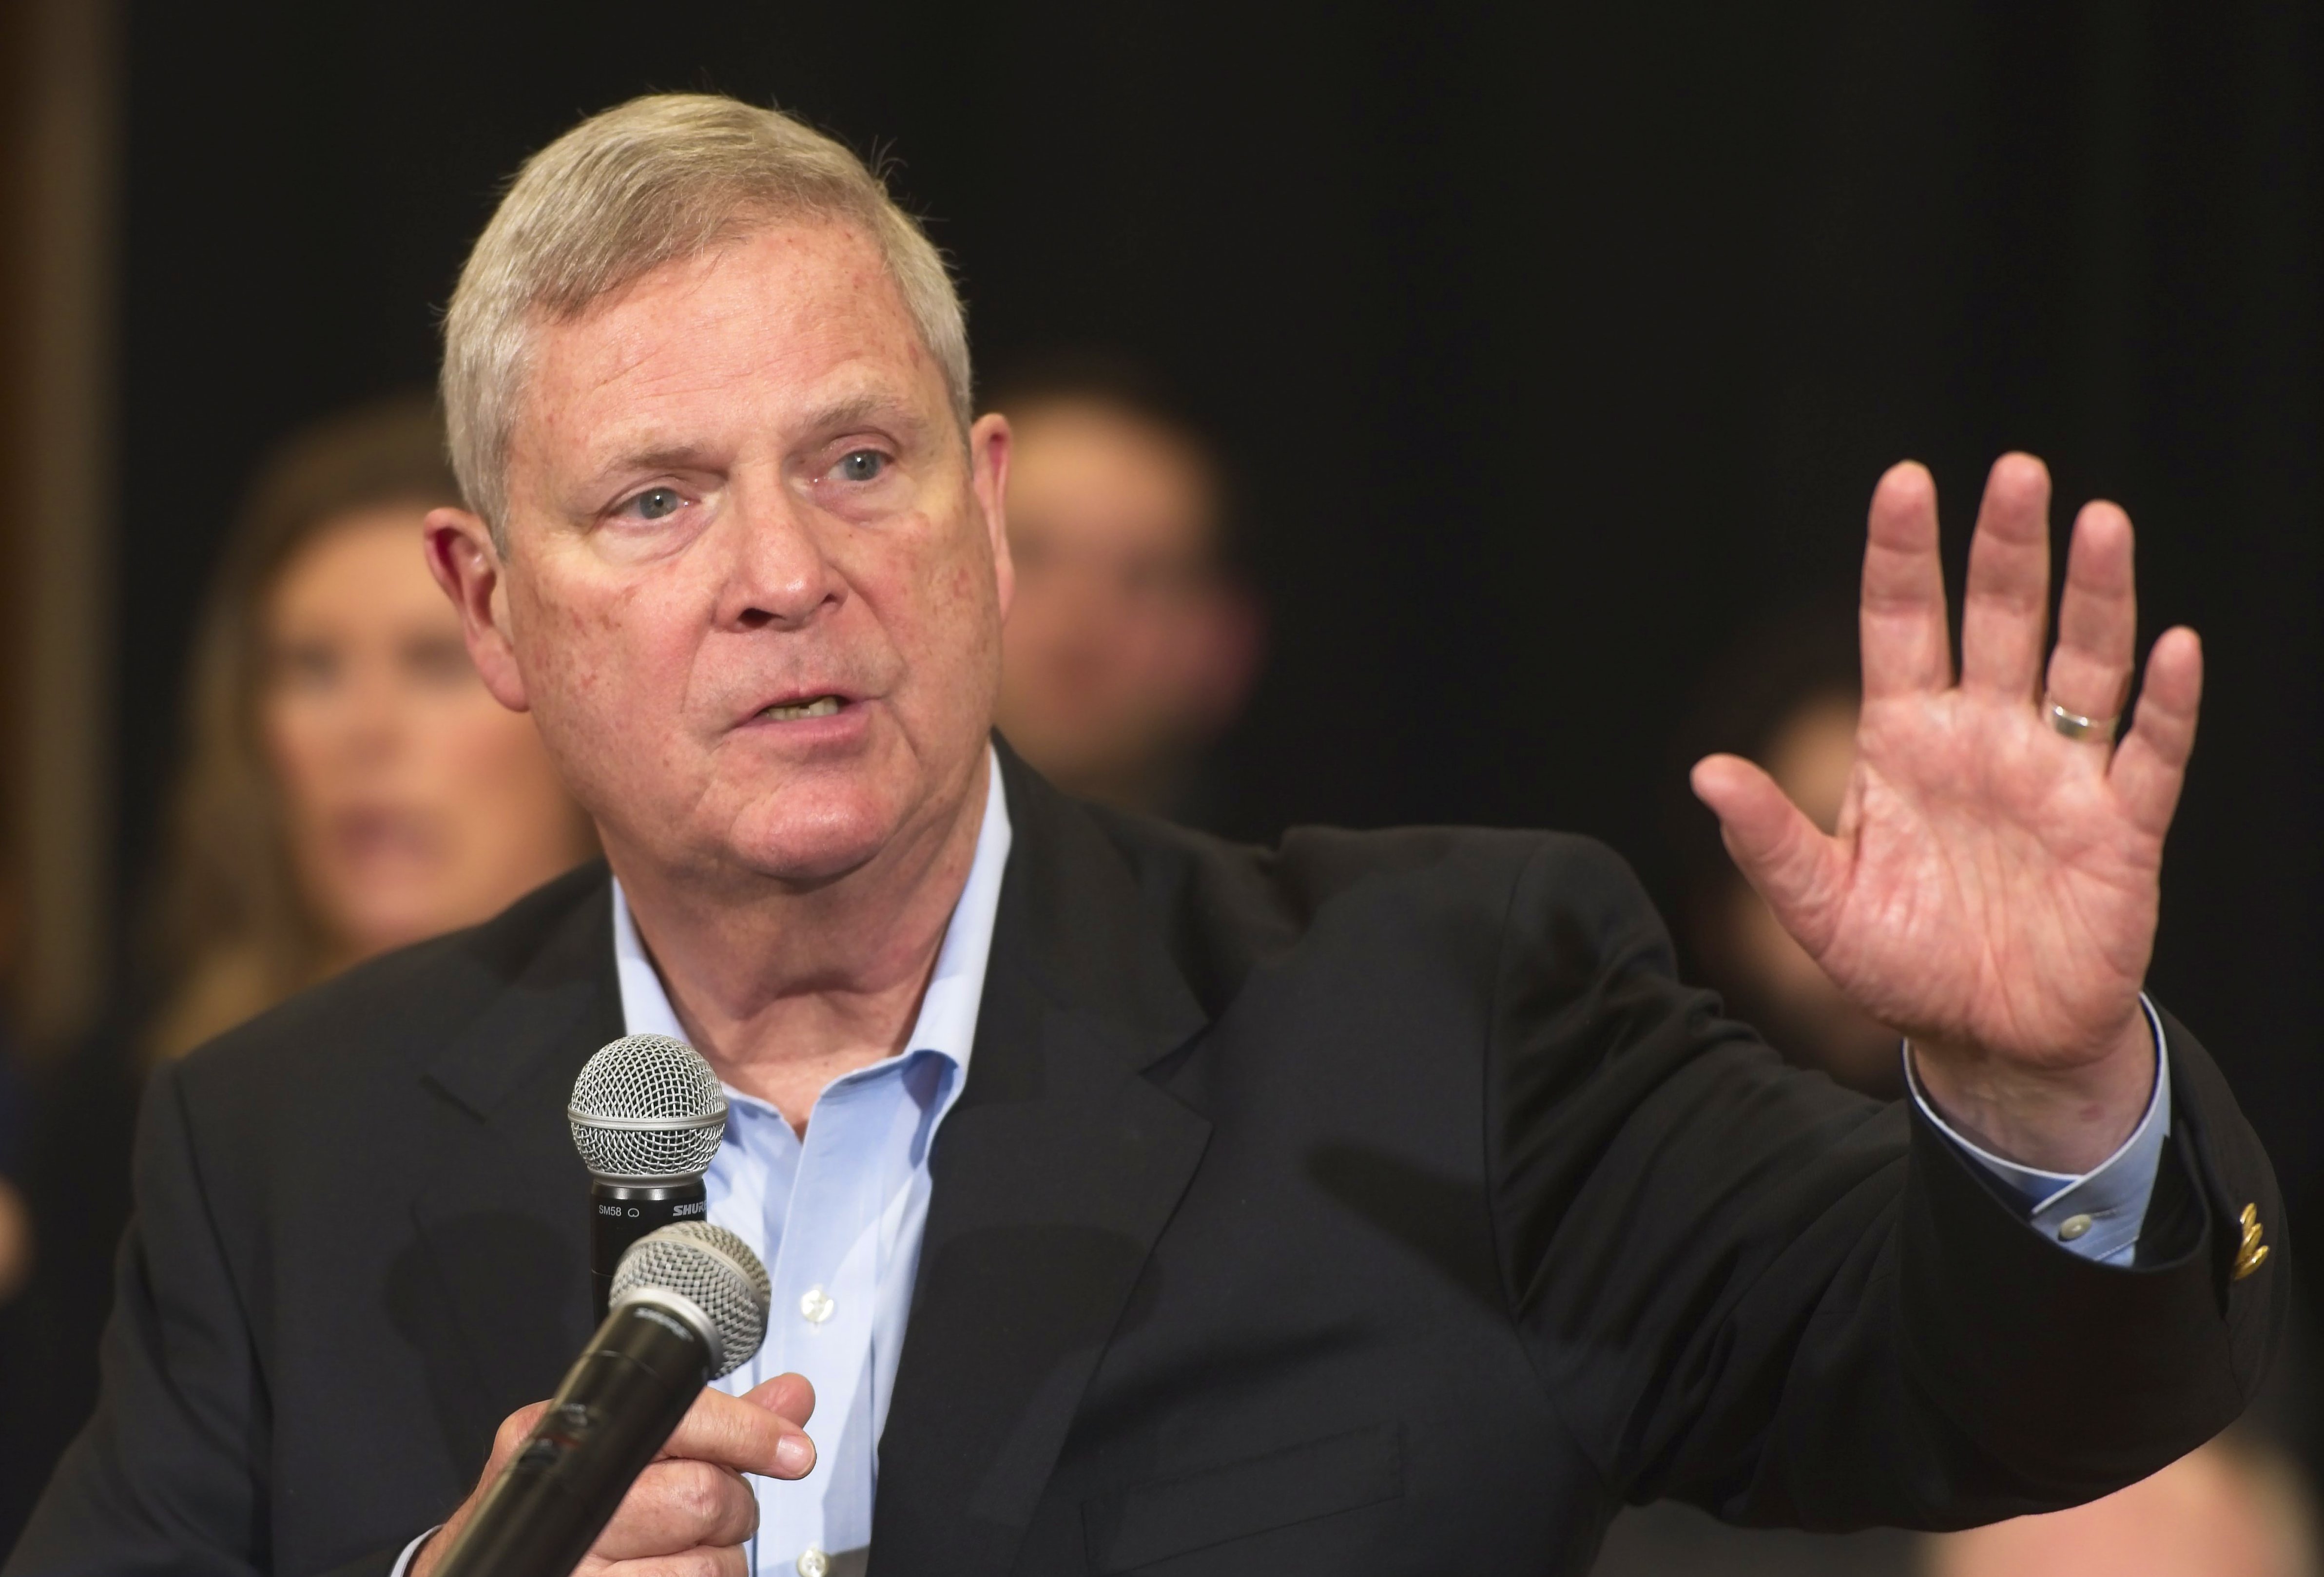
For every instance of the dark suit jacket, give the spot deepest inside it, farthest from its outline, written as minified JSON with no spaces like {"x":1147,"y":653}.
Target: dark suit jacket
{"x":1378,"y":1203}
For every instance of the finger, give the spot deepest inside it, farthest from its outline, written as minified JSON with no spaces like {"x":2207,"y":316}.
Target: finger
{"x":2098,"y":616}
{"x":1902,"y":616}
{"x":735,"y":1433}
{"x":1793,"y":866}
{"x":790,"y":1395}
{"x":514,"y":1431}
{"x":2151,"y":764}
{"x":704,"y":1561}
{"x":2005,"y":614}
{"x":507,"y":1440}
{"x":679,"y":1504}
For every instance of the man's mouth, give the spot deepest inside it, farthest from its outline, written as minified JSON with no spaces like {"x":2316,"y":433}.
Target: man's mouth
{"x":821,"y":707}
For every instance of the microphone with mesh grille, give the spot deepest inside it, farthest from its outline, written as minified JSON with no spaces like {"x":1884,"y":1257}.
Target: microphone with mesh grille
{"x":689,"y":1305}
{"x":646,"y":1115}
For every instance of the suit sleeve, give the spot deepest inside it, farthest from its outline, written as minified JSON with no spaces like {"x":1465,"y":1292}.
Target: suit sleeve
{"x":1746,"y":1287}
{"x":171,"y":1475}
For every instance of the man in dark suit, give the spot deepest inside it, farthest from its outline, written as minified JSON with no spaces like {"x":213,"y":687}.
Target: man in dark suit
{"x":1379,"y":1203}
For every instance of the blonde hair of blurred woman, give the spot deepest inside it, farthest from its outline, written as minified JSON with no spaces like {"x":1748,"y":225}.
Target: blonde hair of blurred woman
{"x":237,"y":931}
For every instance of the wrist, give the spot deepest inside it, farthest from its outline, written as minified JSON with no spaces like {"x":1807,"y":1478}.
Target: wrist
{"x":2066,"y":1118}
{"x":427,"y":1552}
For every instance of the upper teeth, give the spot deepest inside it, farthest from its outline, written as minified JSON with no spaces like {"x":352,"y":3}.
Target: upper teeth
{"x":821,"y":707}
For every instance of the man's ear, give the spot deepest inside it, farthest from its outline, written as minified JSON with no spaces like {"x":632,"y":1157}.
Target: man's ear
{"x":465,"y":562}
{"x":988,"y":463}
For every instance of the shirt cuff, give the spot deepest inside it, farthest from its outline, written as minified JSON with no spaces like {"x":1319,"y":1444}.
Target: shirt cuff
{"x":2097,"y":1214}
{"x":403,"y":1560}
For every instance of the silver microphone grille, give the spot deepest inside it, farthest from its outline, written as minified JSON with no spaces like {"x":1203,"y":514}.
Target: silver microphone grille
{"x":713,"y":1275}
{"x":647,"y":1109}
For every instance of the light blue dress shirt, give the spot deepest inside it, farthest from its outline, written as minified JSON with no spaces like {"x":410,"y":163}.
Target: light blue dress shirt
{"x":837,"y":1217}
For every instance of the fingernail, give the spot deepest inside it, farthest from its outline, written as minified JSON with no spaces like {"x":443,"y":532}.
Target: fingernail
{"x":795,"y":1455}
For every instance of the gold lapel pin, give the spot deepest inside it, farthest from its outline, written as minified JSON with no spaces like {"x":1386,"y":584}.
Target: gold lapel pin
{"x":2254,"y":1253}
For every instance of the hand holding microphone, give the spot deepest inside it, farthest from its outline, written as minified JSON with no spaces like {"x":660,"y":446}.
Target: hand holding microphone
{"x":633,"y":1461}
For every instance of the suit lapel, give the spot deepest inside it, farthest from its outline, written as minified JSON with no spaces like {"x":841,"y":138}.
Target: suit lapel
{"x":503,"y":1210}
{"x":1053,"y":1176}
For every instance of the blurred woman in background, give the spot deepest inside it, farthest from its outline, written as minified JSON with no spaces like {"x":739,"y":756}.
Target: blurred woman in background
{"x":348,"y":787}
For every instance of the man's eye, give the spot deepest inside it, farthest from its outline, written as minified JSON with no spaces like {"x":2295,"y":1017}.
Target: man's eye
{"x":656,"y":504}
{"x":860,"y":465}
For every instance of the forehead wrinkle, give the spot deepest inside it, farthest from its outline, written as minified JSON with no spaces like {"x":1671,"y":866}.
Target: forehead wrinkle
{"x":790,"y":314}
{"x":644,"y":365}
{"x":644,"y":448}
{"x":652,"y":361}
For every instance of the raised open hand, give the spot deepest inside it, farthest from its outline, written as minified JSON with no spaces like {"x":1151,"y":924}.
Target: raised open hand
{"x":1992,"y":886}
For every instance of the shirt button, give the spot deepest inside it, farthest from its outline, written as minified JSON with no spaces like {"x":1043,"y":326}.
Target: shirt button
{"x":2072,"y":1227}
{"x":812,"y":1562}
{"x":816,"y":1305}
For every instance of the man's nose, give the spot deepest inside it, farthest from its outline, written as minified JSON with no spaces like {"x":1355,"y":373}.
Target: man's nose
{"x":778,"y":569}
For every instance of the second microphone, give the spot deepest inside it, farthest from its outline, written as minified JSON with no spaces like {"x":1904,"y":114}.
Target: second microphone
{"x":646,"y":1115}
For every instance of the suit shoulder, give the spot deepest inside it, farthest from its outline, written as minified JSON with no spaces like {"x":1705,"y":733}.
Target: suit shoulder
{"x":395,"y":1007}
{"x":1228,"y":906}
{"x":1313,"y":866}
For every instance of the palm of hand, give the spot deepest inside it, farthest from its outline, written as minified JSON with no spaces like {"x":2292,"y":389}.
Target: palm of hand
{"x":1996,"y":892}
{"x":1992,"y":885}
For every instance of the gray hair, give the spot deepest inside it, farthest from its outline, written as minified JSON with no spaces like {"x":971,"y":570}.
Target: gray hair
{"x":658,"y":179}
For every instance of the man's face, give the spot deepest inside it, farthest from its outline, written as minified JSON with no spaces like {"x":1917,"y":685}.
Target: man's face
{"x":755,"y":580}
{"x":1122,"y":647}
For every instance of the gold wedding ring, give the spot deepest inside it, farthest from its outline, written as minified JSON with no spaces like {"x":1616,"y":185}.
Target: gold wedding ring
{"x":2082,"y":730}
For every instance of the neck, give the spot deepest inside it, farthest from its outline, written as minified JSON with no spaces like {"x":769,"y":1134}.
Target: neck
{"x":785,"y":989}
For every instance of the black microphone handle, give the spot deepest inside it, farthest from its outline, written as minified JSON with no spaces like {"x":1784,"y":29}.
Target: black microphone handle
{"x":617,"y":1406}
{"x":619,"y":1213}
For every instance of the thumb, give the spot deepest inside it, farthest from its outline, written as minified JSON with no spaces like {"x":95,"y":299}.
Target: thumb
{"x":787,"y":1395}
{"x":1781,"y":853}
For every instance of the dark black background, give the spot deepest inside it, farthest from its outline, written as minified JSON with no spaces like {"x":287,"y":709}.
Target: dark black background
{"x":1557,"y":343}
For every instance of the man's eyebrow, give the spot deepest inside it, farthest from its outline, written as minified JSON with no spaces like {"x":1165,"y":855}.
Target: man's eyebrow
{"x":853,"y":410}
{"x":652,"y":457}
{"x":856,"y":410}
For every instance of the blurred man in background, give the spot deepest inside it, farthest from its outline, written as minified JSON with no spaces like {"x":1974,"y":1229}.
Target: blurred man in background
{"x":1785,"y":695}
{"x":1133,"y":642}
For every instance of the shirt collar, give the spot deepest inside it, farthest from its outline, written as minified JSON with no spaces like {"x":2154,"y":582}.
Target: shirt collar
{"x":947,"y":1021}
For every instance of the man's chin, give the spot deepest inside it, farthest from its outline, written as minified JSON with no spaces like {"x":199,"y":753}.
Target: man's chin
{"x":808,"y":843}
